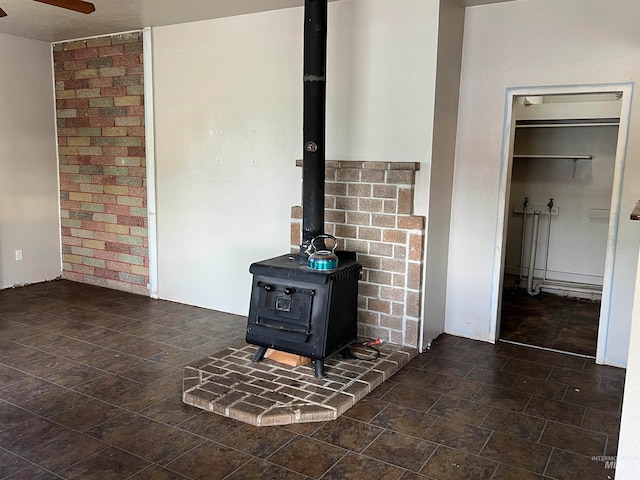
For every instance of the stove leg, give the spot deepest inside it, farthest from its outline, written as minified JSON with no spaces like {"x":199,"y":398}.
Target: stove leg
{"x":259,"y":355}
{"x":346,"y":354}
{"x":318,"y":368}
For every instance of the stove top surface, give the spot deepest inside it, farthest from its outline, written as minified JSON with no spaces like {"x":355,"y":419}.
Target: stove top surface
{"x":288,"y":266}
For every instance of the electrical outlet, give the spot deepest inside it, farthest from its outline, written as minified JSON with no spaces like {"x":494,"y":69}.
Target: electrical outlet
{"x":18,"y":255}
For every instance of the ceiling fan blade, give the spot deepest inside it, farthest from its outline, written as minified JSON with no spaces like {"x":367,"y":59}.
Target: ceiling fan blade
{"x":75,"y":5}
{"x":3,"y":13}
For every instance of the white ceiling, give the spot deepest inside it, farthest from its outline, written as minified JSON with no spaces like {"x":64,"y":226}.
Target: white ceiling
{"x":39,"y":21}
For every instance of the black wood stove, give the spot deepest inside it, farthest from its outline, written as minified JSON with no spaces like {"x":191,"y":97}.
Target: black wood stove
{"x":298,"y":310}
{"x":295,"y":308}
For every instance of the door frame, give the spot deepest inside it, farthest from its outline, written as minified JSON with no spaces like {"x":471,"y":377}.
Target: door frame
{"x":506,"y":165}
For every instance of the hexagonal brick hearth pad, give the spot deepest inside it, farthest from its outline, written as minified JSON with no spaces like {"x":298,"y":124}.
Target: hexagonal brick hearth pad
{"x":270,"y":393}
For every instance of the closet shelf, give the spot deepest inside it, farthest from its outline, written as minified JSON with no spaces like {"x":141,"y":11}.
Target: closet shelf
{"x":560,"y":125}
{"x":556,"y":157}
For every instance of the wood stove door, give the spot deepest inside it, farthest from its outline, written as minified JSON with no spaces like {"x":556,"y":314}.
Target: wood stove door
{"x":285,"y":309}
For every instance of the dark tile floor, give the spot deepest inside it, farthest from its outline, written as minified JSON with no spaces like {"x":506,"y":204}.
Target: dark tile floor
{"x":550,"y":321}
{"x":90,"y":387}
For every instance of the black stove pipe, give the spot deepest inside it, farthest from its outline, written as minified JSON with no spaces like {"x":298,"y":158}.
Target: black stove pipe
{"x":314,"y":106}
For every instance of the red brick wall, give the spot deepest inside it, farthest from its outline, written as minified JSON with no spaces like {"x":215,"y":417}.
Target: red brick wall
{"x":368,"y":207}
{"x":100,"y":114}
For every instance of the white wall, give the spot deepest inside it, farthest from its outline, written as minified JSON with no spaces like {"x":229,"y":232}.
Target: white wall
{"x":524,"y":43}
{"x":29,"y":216}
{"x":628,"y":463}
{"x":381,"y":75}
{"x":578,"y":240}
{"x":438,"y":175}
{"x":228,"y":116}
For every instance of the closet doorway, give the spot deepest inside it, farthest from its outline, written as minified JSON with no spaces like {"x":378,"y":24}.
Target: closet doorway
{"x":560,"y":204}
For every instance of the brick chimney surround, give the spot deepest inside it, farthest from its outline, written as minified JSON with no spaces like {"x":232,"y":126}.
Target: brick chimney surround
{"x":369,"y":208}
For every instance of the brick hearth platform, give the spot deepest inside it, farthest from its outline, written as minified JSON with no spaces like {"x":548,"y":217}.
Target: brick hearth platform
{"x":270,"y":393}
